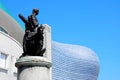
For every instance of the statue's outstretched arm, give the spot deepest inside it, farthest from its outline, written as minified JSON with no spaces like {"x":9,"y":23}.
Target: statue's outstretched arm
{"x":23,"y":18}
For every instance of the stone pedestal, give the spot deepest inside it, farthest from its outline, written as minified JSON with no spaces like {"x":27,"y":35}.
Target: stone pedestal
{"x":33,"y":68}
{"x":36,"y":67}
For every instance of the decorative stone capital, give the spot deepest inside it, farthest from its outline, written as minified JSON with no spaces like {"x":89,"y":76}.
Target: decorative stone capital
{"x":33,"y":61}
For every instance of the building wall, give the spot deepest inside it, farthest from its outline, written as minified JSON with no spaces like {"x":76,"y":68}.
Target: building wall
{"x":11,"y":36}
{"x":10,"y":50}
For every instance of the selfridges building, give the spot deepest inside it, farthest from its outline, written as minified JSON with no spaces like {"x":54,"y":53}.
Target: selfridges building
{"x":70,"y":62}
{"x":74,"y":62}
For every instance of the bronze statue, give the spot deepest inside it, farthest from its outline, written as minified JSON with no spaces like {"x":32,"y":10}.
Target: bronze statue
{"x":33,"y":38}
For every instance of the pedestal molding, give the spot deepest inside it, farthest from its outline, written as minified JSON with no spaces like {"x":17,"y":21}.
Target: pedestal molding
{"x":33,"y":61}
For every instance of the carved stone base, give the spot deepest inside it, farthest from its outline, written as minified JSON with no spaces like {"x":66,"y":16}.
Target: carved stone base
{"x":33,"y":68}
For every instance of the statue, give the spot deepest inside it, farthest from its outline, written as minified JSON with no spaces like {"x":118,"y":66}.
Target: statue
{"x":33,"y":39}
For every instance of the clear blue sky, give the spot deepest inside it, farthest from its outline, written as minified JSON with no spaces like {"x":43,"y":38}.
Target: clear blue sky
{"x":91,"y":23}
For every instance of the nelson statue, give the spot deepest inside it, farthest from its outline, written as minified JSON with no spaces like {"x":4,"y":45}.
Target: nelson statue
{"x":33,"y":39}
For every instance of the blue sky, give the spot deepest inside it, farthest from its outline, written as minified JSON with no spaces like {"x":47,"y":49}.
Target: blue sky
{"x":91,"y":23}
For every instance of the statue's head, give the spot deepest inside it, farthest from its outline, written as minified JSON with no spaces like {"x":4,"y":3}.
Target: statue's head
{"x":36,"y":11}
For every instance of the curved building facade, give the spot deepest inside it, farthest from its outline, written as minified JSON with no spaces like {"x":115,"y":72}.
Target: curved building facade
{"x":10,"y":48}
{"x":72,"y":62}
{"x":11,"y":26}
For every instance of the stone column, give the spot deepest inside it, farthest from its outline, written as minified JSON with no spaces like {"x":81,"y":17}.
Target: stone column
{"x":33,"y":68}
{"x":36,"y":67}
